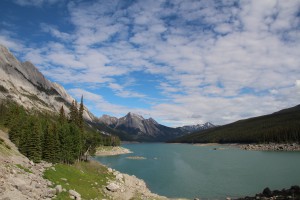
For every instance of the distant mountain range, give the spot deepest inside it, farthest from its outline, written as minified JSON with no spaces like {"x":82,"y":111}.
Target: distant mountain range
{"x":24,"y":84}
{"x":142,"y":129}
{"x":279,"y":127}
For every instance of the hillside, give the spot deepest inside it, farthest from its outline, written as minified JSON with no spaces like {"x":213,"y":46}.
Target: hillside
{"x":281,"y":126}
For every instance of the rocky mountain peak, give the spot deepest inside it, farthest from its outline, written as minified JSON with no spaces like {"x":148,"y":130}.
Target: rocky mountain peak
{"x":134,"y":115}
{"x":108,"y":120}
{"x":152,"y":120}
{"x":6,"y":56}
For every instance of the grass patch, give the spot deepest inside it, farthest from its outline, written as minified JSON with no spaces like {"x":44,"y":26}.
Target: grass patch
{"x":24,"y":168}
{"x":81,"y":177}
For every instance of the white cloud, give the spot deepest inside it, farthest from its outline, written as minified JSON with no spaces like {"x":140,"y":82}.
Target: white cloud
{"x":297,"y":83}
{"x":203,"y":55}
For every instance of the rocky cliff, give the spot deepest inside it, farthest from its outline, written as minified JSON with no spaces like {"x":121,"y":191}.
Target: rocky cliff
{"x":26,"y":85}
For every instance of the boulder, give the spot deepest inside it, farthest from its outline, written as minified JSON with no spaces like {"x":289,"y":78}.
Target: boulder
{"x":119,"y":177}
{"x":58,"y":189}
{"x":113,"y":187}
{"x":51,"y":192}
{"x":267,"y":192}
{"x":110,"y":170}
{"x":75,"y":194}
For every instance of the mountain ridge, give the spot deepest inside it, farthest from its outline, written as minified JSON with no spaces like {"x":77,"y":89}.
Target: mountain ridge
{"x":24,"y":84}
{"x":149,"y":129}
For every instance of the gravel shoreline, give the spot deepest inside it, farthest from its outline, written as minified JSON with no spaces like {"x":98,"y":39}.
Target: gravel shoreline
{"x":271,"y":147}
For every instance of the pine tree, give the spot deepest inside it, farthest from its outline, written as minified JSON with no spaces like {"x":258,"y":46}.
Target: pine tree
{"x":62,"y":116}
{"x":34,"y":149}
{"x":73,"y":115}
{"x":66,"y":143}
{"x":80,"y":114}
{"x":48,"y":143}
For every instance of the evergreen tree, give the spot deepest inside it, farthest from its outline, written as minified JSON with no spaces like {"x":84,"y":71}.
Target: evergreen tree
{"x":33,"y":147}
{"x":80,"y":114}
{"x":73,"y":115}
{"x":62,"y":116}
{"x":66,"y":143}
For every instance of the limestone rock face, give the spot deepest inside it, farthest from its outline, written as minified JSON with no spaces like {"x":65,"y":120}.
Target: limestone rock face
{"x":27,"y":86}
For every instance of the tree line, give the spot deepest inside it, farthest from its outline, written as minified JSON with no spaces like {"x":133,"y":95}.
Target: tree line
{"x":280,"y":127}
{"x":54,"y":138}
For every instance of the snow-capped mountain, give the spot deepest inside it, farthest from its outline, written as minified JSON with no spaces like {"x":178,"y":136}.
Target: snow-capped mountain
{"x":198,"y":127}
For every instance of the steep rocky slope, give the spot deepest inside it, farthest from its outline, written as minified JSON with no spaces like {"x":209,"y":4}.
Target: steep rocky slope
{"x":26,"y":85}
{"x":19,"y":177}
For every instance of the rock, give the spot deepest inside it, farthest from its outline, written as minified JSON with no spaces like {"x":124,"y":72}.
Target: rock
{"x":31,"y":163}
{"x":2,"y":189}
{"x":75,"y":194}
{"x":110,"y":170}
{"x":112,"y":187}
{"x":115,"y":173}
{"x":51,"y":192}
{"x":267,"y":192}
{"x":58,"y":189}
{"x":119,"y":177}
{"x":64,"y":179}
{"x":21,"y":187}
{"x":6,"y":198}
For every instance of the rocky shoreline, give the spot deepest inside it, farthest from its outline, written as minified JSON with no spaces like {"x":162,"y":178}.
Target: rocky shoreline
{"x":267,"y":194}
{"x":20,"y":178}
{"x":271,"y":147}
{"x":125,"y":187}
{"x":111,"y":151}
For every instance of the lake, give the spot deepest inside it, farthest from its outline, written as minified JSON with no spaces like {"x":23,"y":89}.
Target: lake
{"x":189,"y":171}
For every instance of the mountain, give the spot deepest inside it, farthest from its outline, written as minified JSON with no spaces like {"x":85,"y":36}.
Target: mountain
{"x":24,"y":84}
{"x":140,"y":129}
{"x":198,"y":127}
{"x":278,"y":127}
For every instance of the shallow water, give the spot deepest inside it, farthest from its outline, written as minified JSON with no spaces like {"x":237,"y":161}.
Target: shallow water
{"x":188,"y":171}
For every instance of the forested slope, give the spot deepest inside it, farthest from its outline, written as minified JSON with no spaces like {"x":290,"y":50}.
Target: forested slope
{"x":53,"y":138}
{"x":282,"y":126}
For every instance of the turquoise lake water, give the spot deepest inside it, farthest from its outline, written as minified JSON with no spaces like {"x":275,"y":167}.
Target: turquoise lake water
{"x":188,"y":171}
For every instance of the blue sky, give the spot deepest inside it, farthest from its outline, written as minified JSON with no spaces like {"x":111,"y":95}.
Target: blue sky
{"x":180,"y":62}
